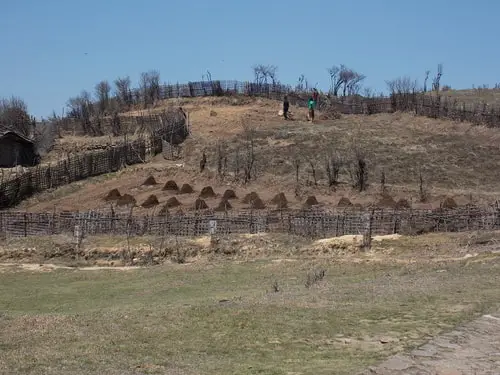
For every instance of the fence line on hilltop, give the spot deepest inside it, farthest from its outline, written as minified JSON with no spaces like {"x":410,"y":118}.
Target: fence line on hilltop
{"x":424,"y":104}
{"x":309,"y":223}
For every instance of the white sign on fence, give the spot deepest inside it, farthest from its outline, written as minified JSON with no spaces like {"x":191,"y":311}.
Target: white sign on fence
{"x":212,"y":227}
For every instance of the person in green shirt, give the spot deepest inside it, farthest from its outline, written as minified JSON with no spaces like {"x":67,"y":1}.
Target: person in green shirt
{"x":310,"y":105}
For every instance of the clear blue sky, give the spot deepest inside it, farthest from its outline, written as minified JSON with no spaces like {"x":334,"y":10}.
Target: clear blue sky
{"x":44,"y":42}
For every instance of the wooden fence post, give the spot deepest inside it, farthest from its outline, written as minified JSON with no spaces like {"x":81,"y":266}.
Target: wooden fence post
{"x":367,"y":230}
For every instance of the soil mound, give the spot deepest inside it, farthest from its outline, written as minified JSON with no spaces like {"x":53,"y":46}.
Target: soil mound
{"x":150,"y":181}
{"x":386,"y":202}
{"x":250,"y":197}
{"x":170,"y":185}
{"x":126,"y":199}
{"x":207,"y":192}
{"x":112,"y":195}
{"x":151,"y":201}
{"x":449,"y":203}
{"x":280,"y":200}
{"x":186,"y":189}
{"x":229,"y":194}
{"x":344,"y":202}
{"x":311,"y":201}
{"x":403,"y":204}
{"x":223,"y":206}
{"x":257,"y":204}
{"x":172,"y":202}
{"x":200,"y":204}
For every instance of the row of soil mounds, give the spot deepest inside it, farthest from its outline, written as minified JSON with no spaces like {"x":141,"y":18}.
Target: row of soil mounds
{"x":252,"y":199}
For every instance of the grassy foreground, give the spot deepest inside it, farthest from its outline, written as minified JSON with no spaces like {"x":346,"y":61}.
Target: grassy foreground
{"x":255,"y":317}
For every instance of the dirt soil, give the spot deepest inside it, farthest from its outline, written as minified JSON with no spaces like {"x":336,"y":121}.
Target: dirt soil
{"x":457,"y":160}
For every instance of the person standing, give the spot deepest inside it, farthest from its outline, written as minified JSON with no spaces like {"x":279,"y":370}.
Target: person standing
{"x":310,"y":106}
{"x":286,"y":106}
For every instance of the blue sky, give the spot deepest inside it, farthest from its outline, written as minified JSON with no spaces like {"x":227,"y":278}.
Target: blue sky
{"x":44,"y":42}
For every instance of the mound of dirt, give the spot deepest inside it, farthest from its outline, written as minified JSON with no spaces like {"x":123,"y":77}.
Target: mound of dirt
{"x":449,"y":203}
{"x":125,"y":200}
{"x":229,"y":194}
{"x":280,"y":200}
{"x":207,"y":192}
{"x":151,"y":201}
{"x":172,"y":202}
{"x":170,"y":185}
{"x":112,"y":195}
{"x":150,"y":181}
{"x":403,"y":204}
{"x":257,"y":204}
{"x":250,"y":197}
{"x":344,"y":202}
{"x":311,"y":201}
{"x":200,"y":204}
{"x":386,"y":202}
{"x":223,"y":206}
{"x":186,"y":189}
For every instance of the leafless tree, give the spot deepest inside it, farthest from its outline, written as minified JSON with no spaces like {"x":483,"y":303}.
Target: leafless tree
{"x":359,"y":170}
{"x":81,"y":108}
{"x":14,"y":115}
{"x":150,"y":87}
{"x":249,"y":162}
{"x":342,"y":77}
{"x":437,"y":79}
{"x":333,"y":164}
{"x":102,"y":93}
{"x":123,"y":92}
{"x":302,"y":84}
{"x":427,"y":72}
{"x":265,"y":74}
{"x":402,"y":85}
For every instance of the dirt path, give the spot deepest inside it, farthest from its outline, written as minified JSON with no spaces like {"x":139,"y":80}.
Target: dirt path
{"x":473,"y":349}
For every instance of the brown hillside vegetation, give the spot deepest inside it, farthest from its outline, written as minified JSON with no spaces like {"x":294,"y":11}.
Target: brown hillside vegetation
{"x":455,"y":159}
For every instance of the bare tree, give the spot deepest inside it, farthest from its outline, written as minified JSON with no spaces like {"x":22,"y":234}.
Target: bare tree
{"x":342,"y":77}
{"x":427,"y":72}
{"x":81,"y":108}
{"x":264,"y":74}
{"x":102,"y":93}
{"x":249,"y":162}
{"x":333,"y":164}
{"x":150,"y":87}
{"x":402,"y":85}
{"x":14,"y":116}
{"x":437,"y":79}
{"x":302,"y":84}
{"x":123,"y":92}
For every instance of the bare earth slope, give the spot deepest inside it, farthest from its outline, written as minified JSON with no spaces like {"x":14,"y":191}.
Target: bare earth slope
{"x":455,"y":159}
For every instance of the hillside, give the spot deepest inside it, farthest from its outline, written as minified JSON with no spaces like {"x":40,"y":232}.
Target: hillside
{"x":455,"y":159}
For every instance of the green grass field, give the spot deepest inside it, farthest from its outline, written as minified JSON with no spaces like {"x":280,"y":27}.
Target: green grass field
{"x":237,"y":317}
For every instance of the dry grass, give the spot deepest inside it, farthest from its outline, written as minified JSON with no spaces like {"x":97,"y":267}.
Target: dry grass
{"x":473,"y":97}
{"x":255,"y":316}
{"x":456,"y":159}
